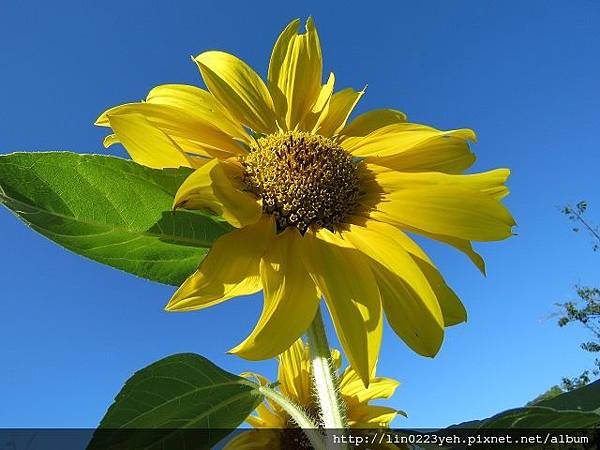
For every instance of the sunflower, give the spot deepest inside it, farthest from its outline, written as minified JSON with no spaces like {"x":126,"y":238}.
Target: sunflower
{"x":320,"y":206}
{"x":295,"y":382}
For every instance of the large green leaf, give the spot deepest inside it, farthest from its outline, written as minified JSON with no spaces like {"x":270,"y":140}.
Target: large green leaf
{"x":180,"y":402}
{"x":579,"y":408}
{"x":571,"y":411}
{"x":541,"y":417}
{"x":586,"y":398}
{"x":109,"y":209}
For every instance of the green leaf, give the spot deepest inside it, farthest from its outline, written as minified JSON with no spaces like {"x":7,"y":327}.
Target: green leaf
{"x":178,"y":401}
{"x":111,"y":210}
{"x":542,"y":417}
{"x":585,"y":398}
{"x":579,"y":408}
{"x":577,"y":411}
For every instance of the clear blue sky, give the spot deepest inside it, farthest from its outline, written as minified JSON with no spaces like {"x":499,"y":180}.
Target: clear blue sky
{"x":524,"y":75}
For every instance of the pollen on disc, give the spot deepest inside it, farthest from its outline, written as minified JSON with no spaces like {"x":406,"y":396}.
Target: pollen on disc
{"x":302,"y":179}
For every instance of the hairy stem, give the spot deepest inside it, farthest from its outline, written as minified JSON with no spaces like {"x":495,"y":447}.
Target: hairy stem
{"x":333,"y":411}
{"x":302,"y":420}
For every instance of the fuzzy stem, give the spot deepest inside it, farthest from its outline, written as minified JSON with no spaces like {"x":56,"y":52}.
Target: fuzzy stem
{"x":302,"y":420}
{"x":332,"y":407}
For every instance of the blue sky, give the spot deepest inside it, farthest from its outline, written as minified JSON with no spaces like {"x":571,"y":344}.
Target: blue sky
{"x":524,"y":75}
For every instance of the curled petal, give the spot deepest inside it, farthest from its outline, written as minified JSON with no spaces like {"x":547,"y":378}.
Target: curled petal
{"x":192,"y":133}
{"x":462,"y":245}
{"x":354,"y":392}
{"x":371,"y":416}
{"x":146,"y":144}
{"x":217,"y":186}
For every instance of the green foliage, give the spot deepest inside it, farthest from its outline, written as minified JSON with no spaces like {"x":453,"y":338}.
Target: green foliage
{"x":586,"y":398}
{"x":550,"y":393}
{"x":575,"y":410}
{"x":161,"y":405}
{"x":576,"y":215}
{"x":579,"y":408}
{"x":111,"y":210}
{"x":586,"y":310}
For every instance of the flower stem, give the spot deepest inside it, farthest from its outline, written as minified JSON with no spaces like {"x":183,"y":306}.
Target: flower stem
{"x":302,"y":420}
{"x":333,"y":411}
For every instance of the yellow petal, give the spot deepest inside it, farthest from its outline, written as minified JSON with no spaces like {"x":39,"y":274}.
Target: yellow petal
{"x":354,"y":392}
{"x":387,"y":180}
{"x":295,"y":72}
{"x":313,"y":119}
{"x":239,"y":89}
{"x":257,"y":376}
{"x":146,"y":144}
{"x":230,"y":269}
{"x":217,"y":186}
{"x":409,"y":302}
{"x":399,"y":138}
{"x":462,"y":245}
{"x":336,"y":357}
{"x":109,"y":140}
{"x":373,"y":120}
{"x":268,"y":415}
{"x":389,"y":257}
{"x":255,"y":440}
{"x":341,"y":105}
{"x":198,"y":102}
{"x":191,"y":132}
{"x":452,"y":308}
{"x":448,"y":210}
{"x":408,"y":315}
{"x":324,"y":94}
{"x":294,"y":374}
{"x":370,"y":416}
{"x":343,"y":276}
{"x":290,"y":299}
{"x":448,"y":154}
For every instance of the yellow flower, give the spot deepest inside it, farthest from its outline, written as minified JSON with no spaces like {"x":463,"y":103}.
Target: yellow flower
{"x":321,"y":207}
{"x":295,"y":382}
{"x":294,"y":377}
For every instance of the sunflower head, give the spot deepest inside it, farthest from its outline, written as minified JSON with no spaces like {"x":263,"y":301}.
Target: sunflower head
{"x":321,"y":207}
{"x":302,"y":179}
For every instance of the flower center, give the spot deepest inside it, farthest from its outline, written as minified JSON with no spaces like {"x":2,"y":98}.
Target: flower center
{"x":302,"y":179}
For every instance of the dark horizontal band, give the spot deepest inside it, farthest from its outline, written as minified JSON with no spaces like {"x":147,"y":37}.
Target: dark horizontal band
{"x":197,"y":439}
